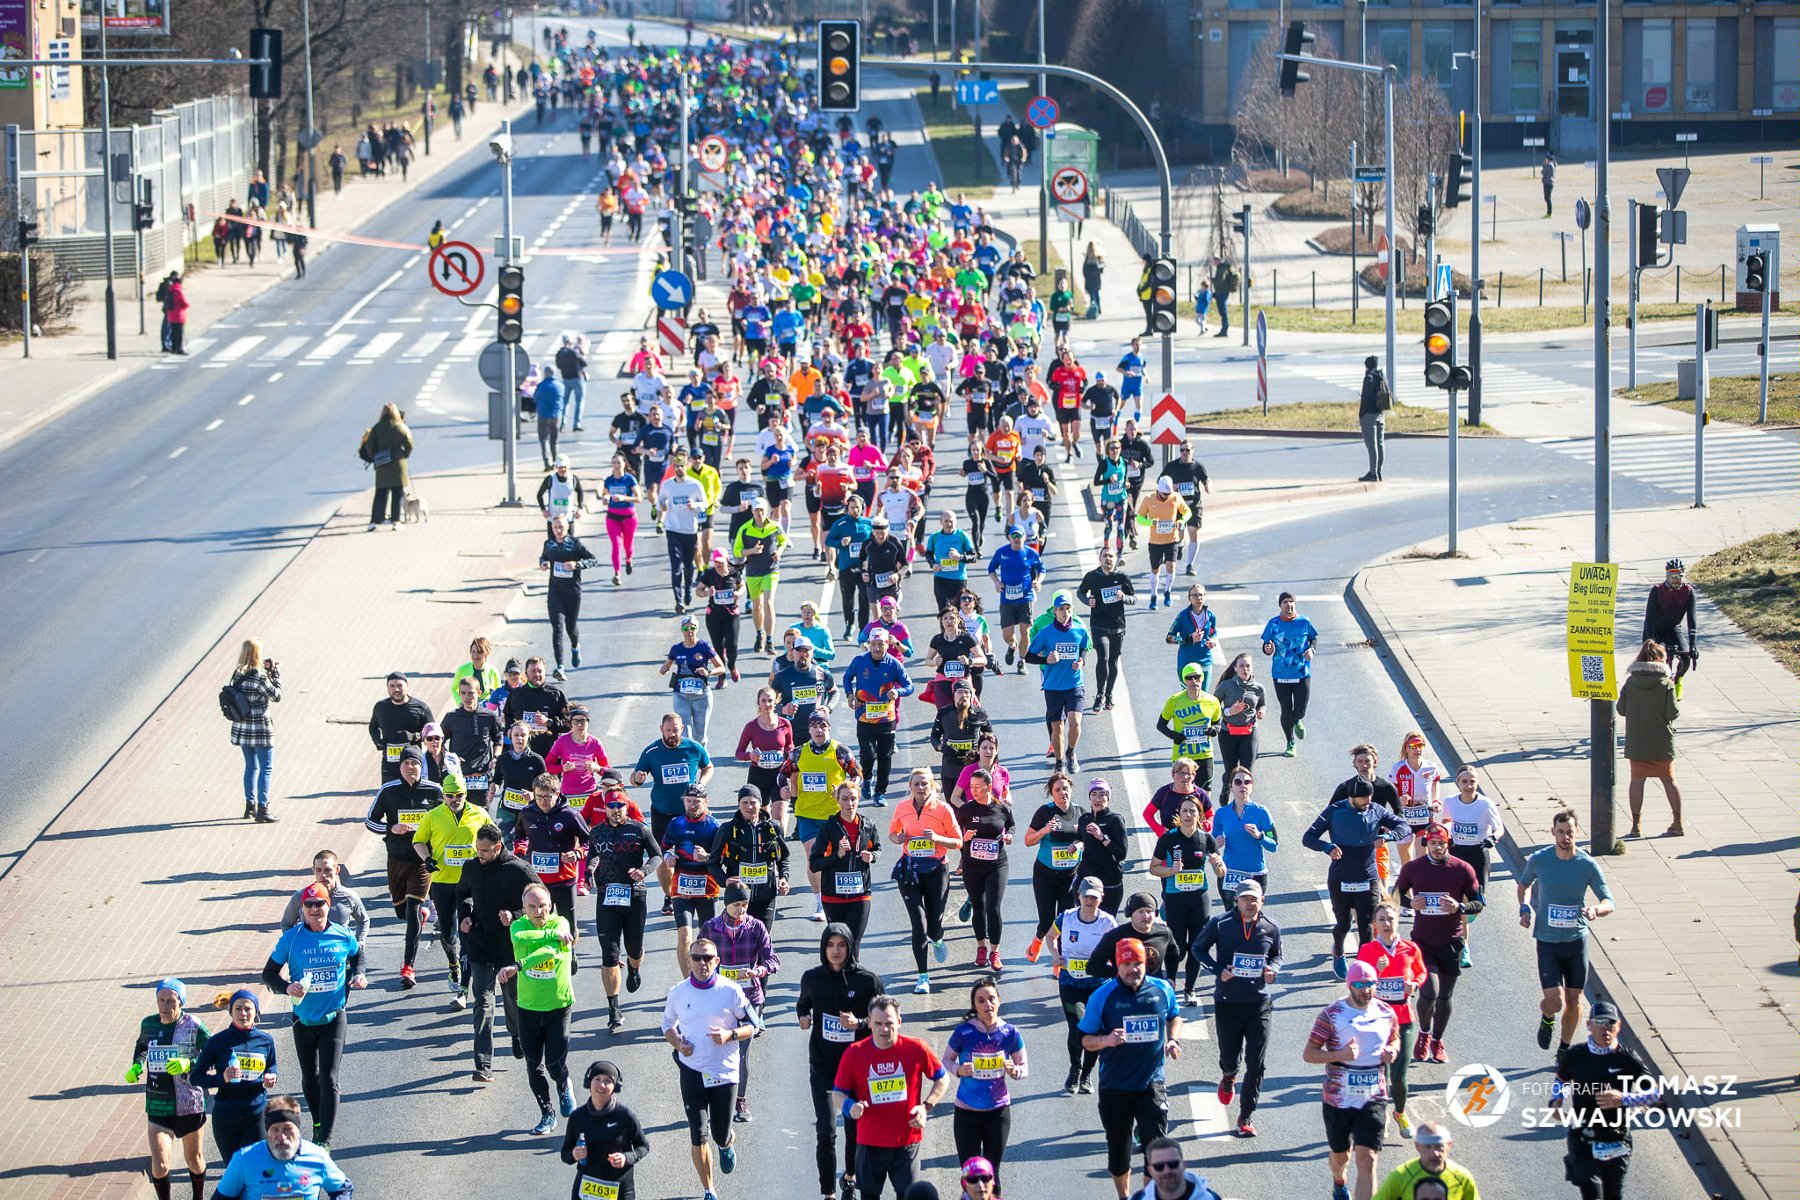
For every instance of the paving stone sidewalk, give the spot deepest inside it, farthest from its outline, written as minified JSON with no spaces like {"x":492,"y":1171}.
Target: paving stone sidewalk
{"x":1701,"y":953}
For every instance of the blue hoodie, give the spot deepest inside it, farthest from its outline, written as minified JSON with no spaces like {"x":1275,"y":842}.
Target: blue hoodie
{"x":549,"y":398}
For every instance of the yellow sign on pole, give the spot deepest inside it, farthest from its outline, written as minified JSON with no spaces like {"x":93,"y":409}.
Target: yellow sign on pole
{"x":1593,"y":590}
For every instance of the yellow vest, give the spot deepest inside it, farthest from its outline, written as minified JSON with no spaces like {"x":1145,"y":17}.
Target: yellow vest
{"x":816,"y":781}
{"x":451,"y":838}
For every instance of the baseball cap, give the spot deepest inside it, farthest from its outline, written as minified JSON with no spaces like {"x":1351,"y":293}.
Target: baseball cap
{"x":1061,"y":600}
{"x":315,"y":891}
{"x":1249,"y":887}
{"x":880,"y":522}
{"x":1139,"y":900}
{"x":562,"y":460}
{"x":1191,"y":670}
{"x":1092,"y":887}
{"x":1360,"y":972}
{"x":430,"y":731}
{"x":1605,"y":1012}
{"x":1164,"y":484}
{"x":1013,"y":531}
{"x":512,"y":667}
{"x":453,"y":784}
{"x":1130,"y":950}
{"x":689,"y":623}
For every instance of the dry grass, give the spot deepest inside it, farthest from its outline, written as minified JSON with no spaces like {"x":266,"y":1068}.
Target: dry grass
{"x":1730,"y":398}
{"x":1333,"y":415}
{"x":1757,"y":585}
{"x":1269,"y":179}
{"x":1313,"y":206}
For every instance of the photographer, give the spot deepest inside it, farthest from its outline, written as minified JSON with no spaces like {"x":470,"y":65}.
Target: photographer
{"x":255,"y":684}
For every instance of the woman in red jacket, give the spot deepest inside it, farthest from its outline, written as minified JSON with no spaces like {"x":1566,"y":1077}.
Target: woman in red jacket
{"x":1399,"y":970}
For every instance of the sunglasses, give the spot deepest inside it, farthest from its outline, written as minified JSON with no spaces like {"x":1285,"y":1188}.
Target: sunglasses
{"x":317,"y":903}
{"x":1363,"y":987}
{"x":978,"y":1179}
{"x":1242,"y":782}
{"x":1166,"y":1166}
{"x":434,"y":739}
{"x":703,"y":958}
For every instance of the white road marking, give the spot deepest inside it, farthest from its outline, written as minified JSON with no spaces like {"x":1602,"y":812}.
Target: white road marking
{"x":238,"y":348}
{"x":178,"y":452}
{"x":377,"y":346}
{"x":362,"y":303}
{"x":246,"y":400}
{"x":216,"y":422}
{"x":275,"y":376}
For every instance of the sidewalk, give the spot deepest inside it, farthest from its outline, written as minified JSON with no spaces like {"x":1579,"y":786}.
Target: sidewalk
{"x":1700,"y":955}
{"x":151,"y":872}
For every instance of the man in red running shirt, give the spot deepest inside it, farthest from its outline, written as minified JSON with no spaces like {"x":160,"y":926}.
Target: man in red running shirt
{"x":881,"y":1086}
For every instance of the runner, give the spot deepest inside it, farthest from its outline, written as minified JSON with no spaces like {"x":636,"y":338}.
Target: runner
{"x":281,"y":1163}
{"x":1355,"y":1038}
{"x":1105,"y":845}
{"x":670,"y":764}
{"x":396,"y":723}
{"x":1412,"y":1180}
{"x":948,"y":551}
{"x":746,"y":957}
{"x":1190,"y":719}
{"x":1060,"y":647}
{"x":1243,"y":951}
{"x":880,"y":1085}
{"x":1195,"y":630}
{"x":752,"y":849}
{"x":842,"y":854}
{"x":1243,"y":703}
{"x":238,"y":1064}
{"x":975,"y":487}
{"x":1169,"y":1176}
{"x":1131,"y":376}
{"x":1133,"y":1023}
{"x":687,"y":871}
{"x":1159,"y":814}
{"x":1143,"y":923}
{"x":346,"y":906}
{"x":883,"y":566}
{"x":811,"y":777}
{"x":1356,"y":826}
{"x":515,"y":770}
{"x":708,"y":1020}
{"x":323,"y":962}
{"x":1111,"y":476}
{"x":1015,"y":569}
{"x":444,"y":841}
{"x":1162,"y":514}
{"x":396,"y":813}
{"x":874,"y":683}
{"x":553,"y":838}
{"x":489,"y":894}
{"x":1289,"y":639}
{"x":1055,"y":832}
{"x":604,"y":1141}
{"x":987,"y":1052}
{"x":681,"y":505}
{"x":618,"y":849}
{"x":543,"y":946}
{"x":1076,"y":932}
{"x":833,"y":1010}
{"x":1564,"y":875}
{"x":1601,"y":1082}
{"x":1416,"y":780}
{"x":925,"y":827}
{"x":1443,"y":893}
{"x":1190,"y":481}
{"x":844,"y":544}
{"x":1180,"y":859}
{"x":163,"y":1059}
{"x":759,"y":544}
{"x":1106,"y":591}
{"x":1139,"y":458}
{"x":1246,"y":834}
{"x":473,"y":735}
{"x":544,"y":709}
{"x":1399,"y":972}
{"x":1475,"y":829}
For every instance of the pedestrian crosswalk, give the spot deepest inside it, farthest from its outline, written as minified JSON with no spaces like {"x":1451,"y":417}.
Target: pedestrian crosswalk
{"x":1739,"y":461}
{"x":358,"y":349}
{"x":1499,"y":382}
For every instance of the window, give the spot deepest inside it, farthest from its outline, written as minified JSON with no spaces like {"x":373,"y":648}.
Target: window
{"x":1658,"y":63}
{"x":1393,"y":44}
{"x":1526,"y":65}
{"x":1702,"y":64}
{"x":1436,"y":47}
{"x":1786,"y":76}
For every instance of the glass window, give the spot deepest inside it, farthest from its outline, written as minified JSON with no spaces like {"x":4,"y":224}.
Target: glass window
{"x":1526,"y":64}
{"x":1702,"y":64}
{"x":1658,"y":63}
{"x":1437,"y":44}
{"x":1394,"y":45}
{"x":1786,"y":93}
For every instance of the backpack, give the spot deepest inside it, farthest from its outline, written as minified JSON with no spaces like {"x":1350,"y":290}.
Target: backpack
{"x":365,"y":450}
{"x":233,"y":703}
{"x":1384,"y":395}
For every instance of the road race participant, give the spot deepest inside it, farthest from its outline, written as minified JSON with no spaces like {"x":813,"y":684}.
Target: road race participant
{"x":238,"y":1063}
{"x":1139,"y":458}
{"x":1141,"y":922}
{"x":687,"y":870}
{"x":1365,"y":761}
{"x":1475,"y":829}
{"x":576,"y":759}
{"x":813,"y":630}
{"x":1242,"y":702}
{"x":623,"y":495}
{"x":708,"y":1019}
{"x":811,"y":777}
{"x":490,"y":893}
{"x":619,"y":848}
{"x":1195,"y":631}
{"x":765,"y":743}
{"x":1170,"y":1178}
{"x":874,"y":683}
{"x":1242,"y":949}
{"x":1289,"y":639}
{"x":1180,"y":859}
{"x":842,"y":854}
{"x":1669,"y":620}
{"x":1076,"y":932}
{"x":1163,"y":514}
{"x":553,"y":838}
{"x":1106,"y":591}
{"x":986,"y":822}
{"x":954,"y":656}
{"x":1105,"y":845}
{"x":844,"y":543}
{"x":1190,"y":481}
{"x":1055,"y":831}
{"x":444,"y":842}
{"x":833,"y":1009}
{"x":803,"y":685}
{"x":1059,"y":647}
{"x":670,"y":764}
{"x":604,"y":1141}
{"x":1015,"y":569}
{"x":324,"y":962}
{"x":1133,"y":1023}
{"x":883,"y":566}
{"x":1416,"y":781}
{"x":565,"y":556}
{"x":975,"y":491}
{"x":956,"y":729}
{"x":543,"y":945}
{"x":1349,"y":830}
{"x":1564,"y":875}
{"x":515,"y":770}
{"x":681,"y":507}
{"x":987,"y":1051}
{"x":948,"y":550}
{"x":1354,"y":1038}
{"x":692,"y":665}
{"x":163,"y":1058}
{"x":887,"y":619}
{"x":396,"y":813}
{"x":1413,"y":1180}
{"x":1602,"y":1083}
{"x":746,"y":957}
{"x":721,"y":587}
{"x":881,"y":1085}
{"x":473,"y":735}
{"x":925,"y":829}
{"x":281,"y":1163}
{"x":543,"y":708}
{"x":395,"y":723}
{"x":1191,"y":718}
{"x":1159,"y":814}
{"x":1246,"y":834}
{"x":1399,"y":972}
{"x":1443,"y":893}
{"x":758,"y":544}
{"x":346,"y":906}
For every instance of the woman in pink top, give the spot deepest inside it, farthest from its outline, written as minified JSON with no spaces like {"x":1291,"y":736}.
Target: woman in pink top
{"x":866,"y":463}
{"x":987,"y":758}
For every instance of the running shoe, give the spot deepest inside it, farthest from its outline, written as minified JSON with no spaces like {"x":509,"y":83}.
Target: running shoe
{"x":484,"y":1076}
{"x":1034,"y":949}
{"x":1300,"y":729}
{"x":574,"y":656}
{"x":1403,"y":1125}
{"x":964,"y":913}
{"x":628,"y":566}
{"x":923,"y":987}
{"x":568,"y":1100}
{"x":940,"y":950}
{"x":1074,"y":764}
{"x":994,"y":963}
{"x":742,"y":1115}
{"x":1086,"y":1086}
{"x":1465,"y":961}
{"x":1422,"y":1048}
{"x":614,"y":1023}
{"x":668,"y":907}
{"x":981,"y":956}
{"x":1340,"y":1191}
{"x":1071,"y":1083}
{"x":615,"y":579}
{"x":559,"y":674}
{"x":546,"y":1123}
{"x":1546,"y":1027}
{"x":1227,"y":1089}
{"x":633,"y":980}
{"x":819,"y":913}
{"x":410,"y":980}
{"x":1010,"y":654}
{"x":727,"y":1158}
{"x":1187,"y":998}
{"x":1289,"y":752}
{"x":1246,"y":1127}
{"x":1021,"y":669}
{"x":460,"y":1001}
{"x":1152,"y":601}
{"x":1337,"y":966}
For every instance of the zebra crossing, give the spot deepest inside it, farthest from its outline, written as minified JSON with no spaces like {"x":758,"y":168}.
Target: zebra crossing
{"x":259,"y":350}
{"x":1739,"y":461}
{"x":1499,"y":382}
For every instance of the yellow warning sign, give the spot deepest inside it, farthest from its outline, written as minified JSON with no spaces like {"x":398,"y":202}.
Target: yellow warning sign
{"x":1593,"y":591}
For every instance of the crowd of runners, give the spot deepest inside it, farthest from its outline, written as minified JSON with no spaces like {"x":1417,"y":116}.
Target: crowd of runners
{"x":899,"y":428}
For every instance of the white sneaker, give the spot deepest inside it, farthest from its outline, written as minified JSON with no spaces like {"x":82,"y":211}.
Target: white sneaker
{"x":819,"y":913}
{"x":923,"y":987}
{"x":460,"y":1001}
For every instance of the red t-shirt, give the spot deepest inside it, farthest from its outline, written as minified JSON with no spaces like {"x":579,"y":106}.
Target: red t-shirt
{"x":889,"y":1082}
{"x":1394,"y":969}
{"x":767,"y":748}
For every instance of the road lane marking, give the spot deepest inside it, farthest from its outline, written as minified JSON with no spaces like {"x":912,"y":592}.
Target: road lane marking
{"x":246,"y":399}
{"x":216,"y":422}
{"x":178,"y":452}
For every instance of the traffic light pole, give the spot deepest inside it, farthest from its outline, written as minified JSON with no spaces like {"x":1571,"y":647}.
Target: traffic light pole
{"x":511,"y":443}
{"x":1601,"y":764}
{"x":1474,"y":258}
{"x":1770,"y":279}
{"x":1631,"y":295}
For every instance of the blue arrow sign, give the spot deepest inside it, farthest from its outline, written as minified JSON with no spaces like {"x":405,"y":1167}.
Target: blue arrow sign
{"x":1445,"y":282}
{"x":672,"y":290}
{"x":1262,"y":334}
{"x":977,"y":91}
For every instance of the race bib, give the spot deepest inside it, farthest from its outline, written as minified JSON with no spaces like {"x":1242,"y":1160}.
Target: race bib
{"x":1563,"y":916}
{"x":1013,"y":591}
{"x":562,"y":570}
{"x":753,"y":872}
{"x":849,"y":883}
{"x":541,"y":972}
{"x":770,"y":760}
{"x":456,"y":856}
{"x":884,"y":579}
{"x":724,"y":599}
{"x":1190,"y":881}
{"x":1065,"y":858}
{"x":1040,"y":494}
{"x":955,"y":670}
{"x":393,"y":752}
{"x":1067,"y":650}
{"x":1249,"y":966}
{"x":878,"y":710}
{"x":1075,"y":968}
{"x":617,"y":895}
{"x":964,"y":747}
{"x":735,"y":974}
{"x":691,"y":685}
{"x":476,"y":783}
{"x":1434,"y":904}
{"x":628,"y":438}
{"x":1233,"y":879}
{"x":414,"y":817}
{"x":806,"y":695}
{"x":1361,"y":1085}
{"x":674,"y":773}
{"x":887,"y":1089}
{"x":156,"y":1059}
{"x":1417,"y":814}
{"x":984,"y":849}
{"x":1111,"y":595}
{"x":1391,"y":990}
{"x":1356,"y":885}
{"x":546,"y":862}
{"x":951,"y":560}
{"x":1466,"y":833}
{"x":1165,"y":526}
{"x":514,"y":799}
{"x":1186,"y":489}
{"x":922,"y":847}
{"x":1143,"y":1031}
{"x":690,"y":886}
{"x":251,"y":1065}
{"x":987,"y":1066}
{"x":812,"y":781}
{"x":1196,"y":747}
{"x":833,"y":1029}
{"x":975,"y":479}
{"x":1607,"y":1151}
{"x":597,"y":1189}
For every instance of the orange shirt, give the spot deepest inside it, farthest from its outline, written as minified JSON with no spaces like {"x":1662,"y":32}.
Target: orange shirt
{"x":1165,"y":514}
{"x":912,"y":824}
{"x":1004,"y":448}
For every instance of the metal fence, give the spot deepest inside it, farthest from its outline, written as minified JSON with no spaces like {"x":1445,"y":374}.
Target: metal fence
{"x":199,"y":153}
{"x":1120,"y":213}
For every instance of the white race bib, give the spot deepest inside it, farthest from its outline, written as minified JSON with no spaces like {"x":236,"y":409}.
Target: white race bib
{"x":1391,"y":990}
{"x":1248,"y":966}
{"x":1466,"y":833}
{"x":673,"y":773}
{"x":1563,"y":916}
{"x":849,"y":883}
{"x":833,"y":1029}
{"x":617,"y":895}
{"x":813,"y":781}
{"x":1354,"y":885}
{"x":691,"y":685}
{"x":1164,"y":526}
{"x":1607,"y":1151}
{"x":690,"y":886}
{"x":1111,"y":595}
{"x":546,"y":862}
{"x":770,"y":760}
{"x":1143,"y":1031}
{"x":984,"y":849}
{"x":1433,"y":904}
{"x":1417,"y":814}
{"x":1233,"y":879}
{"x":1013,"y":591}
{"x":1361,"y":1085}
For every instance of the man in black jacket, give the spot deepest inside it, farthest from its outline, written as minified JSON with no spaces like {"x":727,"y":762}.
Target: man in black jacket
{"x":544,"y":709}
{"x":1371,"y":414}
{"x":473,"y":734}
{"x":398,"y":808}
{"x":490,"y":894}
{"x":834,"y":1009}
{"x":395,"y":723}
{"x":1243,"y":949}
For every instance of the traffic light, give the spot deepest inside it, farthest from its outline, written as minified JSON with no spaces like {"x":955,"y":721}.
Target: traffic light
{"x":1712,"y":327}
{"x":1298,"y":41}
{"x":28,"y":233}
{"x":1423,"y":222}
{"x":1756,"y":272}
{"x":1649,"y":252}
{"x":1240,"y":221}
{"x":512,"y":305}
{"x":1163,"y":295}
{"x":265,"y":78}
{"x":840,"y":66}
{"x":1440,"y":342}
{"x":1457,"y":171}
{"x":143,"y":211}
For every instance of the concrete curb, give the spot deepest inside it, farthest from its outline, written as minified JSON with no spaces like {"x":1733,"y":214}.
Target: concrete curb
{"x":1730,"y":1172}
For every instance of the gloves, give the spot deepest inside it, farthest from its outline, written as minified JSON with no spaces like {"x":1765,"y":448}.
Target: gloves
{"x":1472,"y":907}
{"x":1694,"y":657}
{"x":179,"y":1065}
{"x":134,"y":1072}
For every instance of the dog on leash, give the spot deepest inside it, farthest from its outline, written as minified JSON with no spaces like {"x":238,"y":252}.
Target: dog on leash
{"x":415,"y":510}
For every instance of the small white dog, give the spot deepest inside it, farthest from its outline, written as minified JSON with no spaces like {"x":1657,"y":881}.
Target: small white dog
{"x":416,"y":510}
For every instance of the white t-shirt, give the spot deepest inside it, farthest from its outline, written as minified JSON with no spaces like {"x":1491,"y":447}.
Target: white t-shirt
{"x":1473,"y":823}
{"x":694,"y":1011}
{"x":1033,"y":432}
{"x":684,"y":501}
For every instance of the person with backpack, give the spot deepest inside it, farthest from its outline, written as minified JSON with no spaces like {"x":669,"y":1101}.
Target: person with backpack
{"x":1225,"y":282}
{"x":386,"y":446}
{"x":245,"y":700}
{"x":1377,"y":398}
{"x":162,"y":298}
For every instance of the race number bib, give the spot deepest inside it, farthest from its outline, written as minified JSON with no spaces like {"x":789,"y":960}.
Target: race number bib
{"x":807,"y":695}
{"x":691,"y":685}
{"x":251,"y":1066}
{"x":884,"y":579}
{"x":1234,"y":879}
{"x":1417,"y":814}
{"x":769,"y":760}
{"x":878,"y":710}
{"x":1353,"y":885}
{"x":690,"y":886}
{"x":1361,"y":1085}
{"x":674,"y":773}
{"x":833,"y":1029}
{"x":1607,"y":1151}
{"x":813,"y":781}
{"x":514,"y":799}
{"x":1065,"y":858}
{"x":617,"y":895}
{"x":597,"y":1189}
{"x":1111,"y":595}
{"x":546,"y":862}
{"x":1391,"y":990}
{"x":984,"y":849}
{"x":1075,"y":968}
{"x":1190,"y":881}
{"x":456,"y":856}
{"x":393,"y":751}
{"x":1434,"y":904}
{"x":414,"y":817}
{"x":849,"y":883}
{"x":753,"y":872}
{"x":724,"y":598}
{"x":1143,"y":1031}
{"x":1013,"y":591}
{"x":922,"y":847}
{"x":987,"y":1066}
{"x":955,"y":670}
{"x":1165,"y":526}
{"x":1563,"y":916}
{"x":1466,"y":833}
{"x":887,"y":1089}
{"x":156,"y":1059}
{"x":1248,"y":966}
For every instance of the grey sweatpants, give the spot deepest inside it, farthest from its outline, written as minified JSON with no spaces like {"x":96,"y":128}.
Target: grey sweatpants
{"x":1374,"y":428}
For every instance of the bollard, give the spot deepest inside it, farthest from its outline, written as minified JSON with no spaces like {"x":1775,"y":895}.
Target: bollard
{"x":1540,"y":287}
{"x":1274,"y":288}
{"x":1315,"y":289}
{"x":1500,"y":291}
{"x":1678,"y":283}
{"x":1721,"y":283}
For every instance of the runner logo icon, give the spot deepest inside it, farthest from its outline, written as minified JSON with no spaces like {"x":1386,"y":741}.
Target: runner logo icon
{"x":1477,"y":1095}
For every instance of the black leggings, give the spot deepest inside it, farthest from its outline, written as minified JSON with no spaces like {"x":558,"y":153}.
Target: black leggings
{"x":1051,"y":889}
{"x":722,"y":631}
{"x":854,"y":914}
{"x":236,"y":1124}
{"x":1074,"y":1005}
{"x":443,"y":907}
{"x":986,"y":885}
{"x":1236,"y":750}
{"x":975,"y":503}
{"x":925,"y":909}
{"x":1443,"y":968}
{"x":1109,"y":647}
{"x":1344,"y":905}
{"x":321,"y":1052}
{"x":875,"y":749}
{"x":855,"y":600}
{"x":1187,"y":914}
{"x":984,"y":1133}
{"x":825,"y":1119}
{"x":544,"y":1036}
{"x":1477,"y":858}
{"x":1293,"y":698}
{"x":705,"y":1106}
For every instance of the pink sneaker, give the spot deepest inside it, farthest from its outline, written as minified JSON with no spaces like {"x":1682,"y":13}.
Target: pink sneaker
{"x":981,"y":956}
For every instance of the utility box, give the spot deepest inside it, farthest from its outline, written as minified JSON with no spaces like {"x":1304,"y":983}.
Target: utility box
{"x":1684,"y":379}
{"x":1759,"y":239}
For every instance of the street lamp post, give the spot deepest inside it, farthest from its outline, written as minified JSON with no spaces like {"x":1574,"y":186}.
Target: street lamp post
{"x":1044,"y":155}
{"x":1600,"y":723}
{"x":312,"y":129}
{"x":106,"y":203}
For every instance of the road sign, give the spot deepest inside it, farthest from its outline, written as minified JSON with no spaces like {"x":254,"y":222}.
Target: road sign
{"x":1042,"y":112}
{"x":1584,"y":214}
{"x":1444,"y":283}
{"x":1371,"y":173}
{"x":713,"y":152}
{"x":977,"y":91}
{"x":672,"y":290}
{"x":671,"y":333}
{"x":1674,"y":181}
{"x":1168,"y":422}
{"x":1262,"y":360}
{"x":492,"y":364}
{"x":456,"y":268}
{"x":1593,"y":590}
{"x":1069,"y":185}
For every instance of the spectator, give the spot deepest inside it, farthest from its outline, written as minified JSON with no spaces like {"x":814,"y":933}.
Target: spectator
{"x":387,"y":447}
{"x":1647,"y":702}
